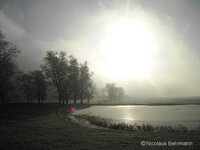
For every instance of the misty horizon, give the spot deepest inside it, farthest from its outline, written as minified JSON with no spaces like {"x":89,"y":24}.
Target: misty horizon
{"x":151,"y":49}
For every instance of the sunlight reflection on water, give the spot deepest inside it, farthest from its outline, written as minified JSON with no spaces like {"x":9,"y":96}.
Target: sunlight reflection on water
{"x":177,"y":114}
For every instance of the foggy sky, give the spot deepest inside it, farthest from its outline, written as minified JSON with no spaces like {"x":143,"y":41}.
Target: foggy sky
{"x":77,"y":26}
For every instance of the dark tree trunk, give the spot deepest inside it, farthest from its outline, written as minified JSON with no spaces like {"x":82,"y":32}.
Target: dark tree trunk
{"x":75,"y":97}
{"x":67,"y":101}
{"x":59,"y":95}
{"x":64,"y":97}
{"x":29,"y":94}
{"x":81,"y":100}
{"x":63,"y":101}
{"x":27,"y":97}
{"x":38,"y":92}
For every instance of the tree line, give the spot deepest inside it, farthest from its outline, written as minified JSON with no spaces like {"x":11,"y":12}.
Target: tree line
{"x":72,"y":80}
{"x":113,"y":92}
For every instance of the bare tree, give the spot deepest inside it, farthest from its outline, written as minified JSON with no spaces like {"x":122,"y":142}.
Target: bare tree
{"x":74,"y":78}
{"x":71,"y":79}
{"x":90,"y":91}
{"x":113,"y":92}
{"x":120,"y":93}
{"x":27,"y":82}
{"x":55,"y":67}
{"x":110,"y":90}
{"x":39,"y":85}
{"x":84,"y":81}
{"x":8,"y":67}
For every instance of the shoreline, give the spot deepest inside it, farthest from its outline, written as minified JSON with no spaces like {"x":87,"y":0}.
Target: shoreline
{"x":47,"y":127}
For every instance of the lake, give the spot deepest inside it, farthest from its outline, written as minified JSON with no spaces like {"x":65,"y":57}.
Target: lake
{"x":185,"y":115}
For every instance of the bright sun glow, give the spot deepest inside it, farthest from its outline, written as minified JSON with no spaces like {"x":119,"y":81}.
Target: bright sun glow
{"x":128,"y":49}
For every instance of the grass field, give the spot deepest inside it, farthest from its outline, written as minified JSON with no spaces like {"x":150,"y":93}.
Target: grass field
{"x":46,"y":127}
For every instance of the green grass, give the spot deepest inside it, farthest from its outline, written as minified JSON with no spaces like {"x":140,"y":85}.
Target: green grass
{"x":47,"y":127}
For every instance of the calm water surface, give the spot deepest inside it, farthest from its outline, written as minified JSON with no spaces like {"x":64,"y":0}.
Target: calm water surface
{"x":186,"y":115}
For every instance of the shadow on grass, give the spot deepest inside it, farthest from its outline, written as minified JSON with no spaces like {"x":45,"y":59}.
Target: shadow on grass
{"x":26,"y":111}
